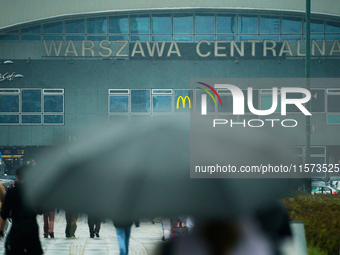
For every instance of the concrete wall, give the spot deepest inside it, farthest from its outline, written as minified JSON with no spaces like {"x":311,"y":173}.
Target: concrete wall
{"x":86,"y":85}
{"x":23,"y":11}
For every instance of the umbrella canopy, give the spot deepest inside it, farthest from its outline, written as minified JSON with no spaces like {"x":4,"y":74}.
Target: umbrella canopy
{"x":142,"y":169}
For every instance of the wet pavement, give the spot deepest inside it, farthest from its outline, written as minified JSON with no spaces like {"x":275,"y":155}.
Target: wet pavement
{"x":143,"y":239}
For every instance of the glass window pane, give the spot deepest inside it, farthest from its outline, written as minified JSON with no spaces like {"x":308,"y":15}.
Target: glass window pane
{"x":96,"y":38}
{"x":140,"y":24}
{"x":247,"y":24}
{"x":318,"y":100}
{"x":75,"y":26}
{"x":140,"y":100}
{"x":333,"y":103}
{"x":293,"y":107}
{"x":276,"y":38}
{"x":9,"y":37}
{"x":161,"y":38}
{"x":291,"y":37}
{"x":267,"y":102}
{"x":53,"y":28}
{"x":142,"y":38}
{"x":9,"y":103}
{"x":318,"y":150}
{"x":119,"y":25}
{"x":332,"y":37}
{"x":184,"y":38}
{"x":226,"y":37}
{"x":119,"y":91}
{"x":53,"y":119}
{"x":74,"y":38}
{"x":118,"y":38}
{"x":226,"y":24}
{"x":161,"y":91}
{"x":315,"y":37}
{"x":248,"y":37}
{"x":269,"y":25}
{"x":210,"y":101}
{"x":183,"y":23}
{"x":53,"y":103}
{"x":227,"y":104}
{"x":183,"y":96}
{"x":291,"y":26}
{"x":210,"y":38}
{"x":119,"y":103}
{"x":9,"y":119}
{"x":97,"y":26}
{"x":332,"y":27}
{"x":31,"y":119}
{"x":31,"y":37}
{"x":333,"y":118}
{"x":316,"y":26}
{"x":31,"y":30}
{"x":52,"y":37}
{"x":161,"y":24}
{"x":204,"y":24}
{"x":162,"y":103}
{"x":31,"y":100}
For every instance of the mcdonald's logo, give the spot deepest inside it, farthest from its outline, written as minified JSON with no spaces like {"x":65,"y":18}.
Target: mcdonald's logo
{"x":183,"y":101}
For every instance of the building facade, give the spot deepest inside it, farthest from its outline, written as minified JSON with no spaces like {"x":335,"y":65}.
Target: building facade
{"x":72,"y":65}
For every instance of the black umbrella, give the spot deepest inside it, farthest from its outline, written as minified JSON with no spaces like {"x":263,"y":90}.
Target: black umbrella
{"x":142,"y":169}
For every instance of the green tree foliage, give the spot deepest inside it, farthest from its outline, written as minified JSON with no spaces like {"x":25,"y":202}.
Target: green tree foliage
{"x":321,"y":217}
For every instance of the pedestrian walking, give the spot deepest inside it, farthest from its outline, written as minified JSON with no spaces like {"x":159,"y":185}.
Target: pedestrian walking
{"x":123,"y":230}
{"x":71,"y":224}
{"x":94,"y":226}
{"x":49,"y":224}
{"x":24,"y":234}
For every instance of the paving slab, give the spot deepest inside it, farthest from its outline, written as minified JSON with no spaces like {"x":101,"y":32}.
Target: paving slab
{"x":143,"y":240}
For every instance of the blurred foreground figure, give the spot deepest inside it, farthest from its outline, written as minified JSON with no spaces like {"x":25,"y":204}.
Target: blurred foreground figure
{"x":260,"y":234}
{"x":49,"y":224}
{"x":23,"y":237}
{"x":94,"y":225}
{"x":71,"y":224}
{"x":123,"y":230}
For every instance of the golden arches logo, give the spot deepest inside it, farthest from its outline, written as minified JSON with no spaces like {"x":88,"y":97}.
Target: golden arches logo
{"x":183,"y":101}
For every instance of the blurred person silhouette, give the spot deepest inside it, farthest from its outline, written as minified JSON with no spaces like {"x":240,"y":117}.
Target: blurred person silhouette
{"x":263,"y":233}
{"x":2,"y":199}
{"x":71,"y":224}
{"x":94,"y":225}
{"x":123,"y":231}
{"x":23,"y":237}
{"x":49,"y":224}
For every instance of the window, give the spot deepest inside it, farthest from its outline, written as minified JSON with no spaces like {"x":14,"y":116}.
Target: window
{"x":248,"y":24}
{"x":291,"y":25}
{"x":267,"y":99}
{"x":269,"y":25}
{"x":9,"y":106}
{"x":31,"y":106}
{"x":161,"y":24}
{"x":140,"y":100}
{"x":183,"y":100}
{"x":162,"y":100}
{"x":53,"y":28}
{"x":183,"y":23}
{"x":119,"y":101}
{"x":226,"y":24}
{"x":140,"y":24}
{"x":119,"y":25}
{"x":75,"y":26}
{"x":204,"y":24}
{"x":97,"y":25}
{"x":333,"y":103}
